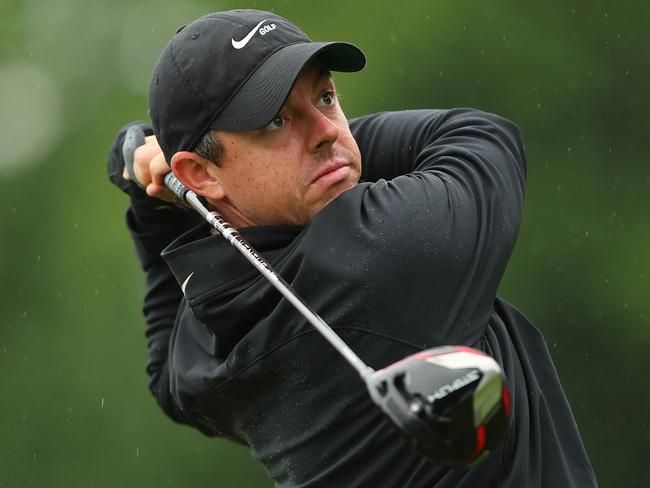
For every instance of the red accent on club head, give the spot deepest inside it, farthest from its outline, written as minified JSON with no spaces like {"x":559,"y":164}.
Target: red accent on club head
{"x":505,"y":394}
{"x":470,"y":350}
{"x":480,"y":439}
{"x":480,"y":443}
{"x":419,"y":355}
{"x":422,"y":355}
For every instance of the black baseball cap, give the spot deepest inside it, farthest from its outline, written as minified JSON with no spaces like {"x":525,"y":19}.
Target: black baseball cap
{"x":232,"y":71}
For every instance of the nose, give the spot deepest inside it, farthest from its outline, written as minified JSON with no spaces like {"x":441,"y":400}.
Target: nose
{"x":324,"y":132}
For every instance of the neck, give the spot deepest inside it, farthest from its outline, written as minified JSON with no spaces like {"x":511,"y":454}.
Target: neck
{"x":230,"y":213}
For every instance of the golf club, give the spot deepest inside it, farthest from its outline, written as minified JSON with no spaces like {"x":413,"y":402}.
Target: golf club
{"x":450,"y":402}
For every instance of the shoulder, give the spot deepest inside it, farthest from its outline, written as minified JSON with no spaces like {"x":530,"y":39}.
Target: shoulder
{"x":429,"y":117}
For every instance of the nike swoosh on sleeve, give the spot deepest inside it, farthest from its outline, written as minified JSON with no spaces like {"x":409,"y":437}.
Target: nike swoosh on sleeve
{"x":184,"y":285}
{"x":244,"y":41}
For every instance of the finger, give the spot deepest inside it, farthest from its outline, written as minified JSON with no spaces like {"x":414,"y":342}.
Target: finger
{"x":155,"y":190}
{"x":161,"y":192}
{"x":125,"y":174}
{"x":159,"y":168}
{"x":146,"y":152}
{"x":141,"y":162}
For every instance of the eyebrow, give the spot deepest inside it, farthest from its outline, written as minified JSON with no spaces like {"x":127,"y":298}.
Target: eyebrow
{"x":322,"y":72}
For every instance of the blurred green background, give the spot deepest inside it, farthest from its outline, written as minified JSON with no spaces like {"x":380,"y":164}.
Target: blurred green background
{"x":75,"y":409}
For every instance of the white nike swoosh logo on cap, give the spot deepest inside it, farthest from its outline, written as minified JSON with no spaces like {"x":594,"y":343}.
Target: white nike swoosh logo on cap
{"x":244,"y":41}
{"x":185,"y":282}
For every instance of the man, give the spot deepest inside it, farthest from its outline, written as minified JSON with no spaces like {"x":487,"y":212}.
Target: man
{"x":245,"y":111}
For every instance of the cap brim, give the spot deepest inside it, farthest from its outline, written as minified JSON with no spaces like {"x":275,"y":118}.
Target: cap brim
{"x":261,"y":97}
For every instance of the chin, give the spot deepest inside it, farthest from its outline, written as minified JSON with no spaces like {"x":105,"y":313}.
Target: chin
{"x":333,"y":194}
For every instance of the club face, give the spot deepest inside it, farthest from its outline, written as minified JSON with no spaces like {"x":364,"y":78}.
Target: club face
{"x":449,"y":402}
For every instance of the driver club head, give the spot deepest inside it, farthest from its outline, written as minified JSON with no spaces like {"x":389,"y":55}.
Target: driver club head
{"x":450,"y":402}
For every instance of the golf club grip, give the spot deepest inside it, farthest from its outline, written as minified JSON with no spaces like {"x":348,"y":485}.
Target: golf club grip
{"x":174,"y":184}
{"x":133,"y":139}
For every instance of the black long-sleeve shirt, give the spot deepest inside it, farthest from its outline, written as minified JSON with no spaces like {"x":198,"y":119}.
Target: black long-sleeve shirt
{"x":409,"y":259}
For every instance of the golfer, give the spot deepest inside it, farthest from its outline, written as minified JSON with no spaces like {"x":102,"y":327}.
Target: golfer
{"x":395,"y":227}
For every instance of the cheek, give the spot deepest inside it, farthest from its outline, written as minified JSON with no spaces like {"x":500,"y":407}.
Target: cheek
{"x":354,"y":147}
{"x":269,"y":184}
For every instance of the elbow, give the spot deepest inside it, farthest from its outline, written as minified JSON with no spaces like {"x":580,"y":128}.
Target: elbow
{"x":511,"y":139}
{"x":503,"y":137}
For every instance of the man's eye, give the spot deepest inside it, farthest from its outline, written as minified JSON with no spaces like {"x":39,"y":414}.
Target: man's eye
{"x":276,"y":123}
{"x":327,"y":98}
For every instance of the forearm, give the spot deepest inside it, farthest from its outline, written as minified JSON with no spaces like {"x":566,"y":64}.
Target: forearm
{"x":455,"y":188}
{"x":153,"y":224}
{"x":152,"y":229}
{"x":398,"y":143}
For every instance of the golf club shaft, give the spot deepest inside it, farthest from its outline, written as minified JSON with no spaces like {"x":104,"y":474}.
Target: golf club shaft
{"x":234,"y":237}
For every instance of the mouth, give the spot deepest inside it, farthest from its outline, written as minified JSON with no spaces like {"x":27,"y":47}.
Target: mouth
{"x":332,"y":173}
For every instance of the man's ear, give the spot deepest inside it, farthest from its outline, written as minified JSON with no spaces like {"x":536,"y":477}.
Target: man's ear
{"x":195,"y":173}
